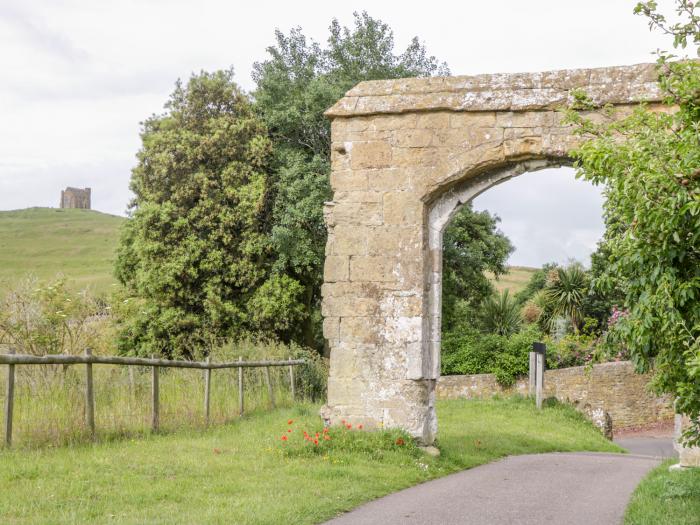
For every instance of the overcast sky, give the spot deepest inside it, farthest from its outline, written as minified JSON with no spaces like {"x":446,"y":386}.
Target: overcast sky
{"x":79,"y":76}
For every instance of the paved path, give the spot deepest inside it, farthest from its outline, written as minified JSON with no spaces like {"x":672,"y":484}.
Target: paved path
{"x":660,"y":447}
{"x":562,"y":489}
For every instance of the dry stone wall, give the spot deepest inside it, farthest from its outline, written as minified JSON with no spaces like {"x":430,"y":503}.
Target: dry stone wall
{"x":405,"y":155}
{"x":612,"y":387}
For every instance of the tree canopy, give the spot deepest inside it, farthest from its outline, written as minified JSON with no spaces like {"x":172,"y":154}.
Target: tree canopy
{"x":650,"y":165}
{"x":472,"y":245}
{"x":196,"y":247}
{"x":295,"y":85}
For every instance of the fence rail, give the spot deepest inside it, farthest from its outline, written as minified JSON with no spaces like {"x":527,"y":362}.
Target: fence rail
{"x":59,"y":359}
{"x":12,"y":360}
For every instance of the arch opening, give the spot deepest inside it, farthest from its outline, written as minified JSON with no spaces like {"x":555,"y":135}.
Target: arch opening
{"x":443,"y":206}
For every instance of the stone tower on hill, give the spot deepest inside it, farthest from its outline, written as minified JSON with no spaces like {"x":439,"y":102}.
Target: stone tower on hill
{"x":76,"y":198}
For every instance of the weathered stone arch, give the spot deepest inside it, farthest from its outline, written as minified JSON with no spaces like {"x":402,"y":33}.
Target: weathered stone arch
{"x":405,"y":155}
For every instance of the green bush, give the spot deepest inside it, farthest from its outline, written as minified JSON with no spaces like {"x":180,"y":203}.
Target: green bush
{"x":570,"y":350}
{"x":474,"y":353}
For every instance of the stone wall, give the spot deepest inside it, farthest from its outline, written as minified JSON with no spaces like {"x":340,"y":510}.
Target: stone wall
{"x":613,"y":387}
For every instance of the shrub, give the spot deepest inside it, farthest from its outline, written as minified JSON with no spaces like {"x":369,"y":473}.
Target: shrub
{"x":500,"y":314}
{"x":41,"y":318}
{"x":506,"y":357}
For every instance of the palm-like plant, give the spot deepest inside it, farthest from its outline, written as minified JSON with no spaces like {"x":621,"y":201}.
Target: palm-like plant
{"x":566,"y":291}
{"x":501,"y":314}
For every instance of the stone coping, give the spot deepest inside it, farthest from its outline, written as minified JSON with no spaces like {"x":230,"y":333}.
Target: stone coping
{"x":500,"y":92}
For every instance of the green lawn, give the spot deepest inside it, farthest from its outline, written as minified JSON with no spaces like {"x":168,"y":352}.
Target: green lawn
{"x":666,"y":498}
{"x":80,"y":244}
{"x":242,"y":472}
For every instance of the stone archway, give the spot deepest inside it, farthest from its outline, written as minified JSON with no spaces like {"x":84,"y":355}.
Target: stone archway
{"x":405,"y":155}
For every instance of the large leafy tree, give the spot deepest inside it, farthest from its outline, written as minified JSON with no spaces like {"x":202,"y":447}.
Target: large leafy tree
{"x":294,"y":86}
{"x":650,"y":164}
{"x":196,"y":248}
{"x":472,"y":245}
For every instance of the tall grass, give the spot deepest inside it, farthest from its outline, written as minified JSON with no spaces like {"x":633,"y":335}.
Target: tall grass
{"x":50,"y":400}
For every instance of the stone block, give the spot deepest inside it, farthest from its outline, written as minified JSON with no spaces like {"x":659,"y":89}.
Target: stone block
{"x":375,"y":154}
{"x":357,"y":213}
{"x":350,"y":240}
{"x":402,"y":208}
{"x":373,"y":268}
{"x":349,"y":307}
{"x":412,"y":138}
{"x":331,"y":328}
{"x":473,"y":119}
{"x":433,"y":120}
{"x":359,"y":196}
{"x":349,"y":180}
{"x":525,"y":119}
{"x":364,"y":330}
{"x":336,"y":268}
{"x":388,"y":179}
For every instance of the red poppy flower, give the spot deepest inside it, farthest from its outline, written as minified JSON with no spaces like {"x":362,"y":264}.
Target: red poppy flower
{"x":284,"y":438}
{"x":325,"y":430}
{"x":315,"y":441}
{"x":400,"y":442}
{"x":290,"y":421}
{"x":289,"y":430}
{"x":359,"y":427}
{"x":349,"y":426}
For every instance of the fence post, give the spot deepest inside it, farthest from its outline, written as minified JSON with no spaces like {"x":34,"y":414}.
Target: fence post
{"x":207,"y":390}
{"x":291,"y":381}
{"x":240,"y":387}
{"x":270,"y":393}
{"x":9,"y":401}
{"x":533,"y":374}
{"x":89,"y":396}
{"x":155,"y":409}
{"x":132,"y":391}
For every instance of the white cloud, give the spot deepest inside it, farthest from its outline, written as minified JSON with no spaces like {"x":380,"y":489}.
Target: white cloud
{"x":79,"y":75}
{"x":548,"y":215}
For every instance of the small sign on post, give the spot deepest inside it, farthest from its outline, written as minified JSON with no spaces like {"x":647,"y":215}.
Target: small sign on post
{"x":540,"y":350}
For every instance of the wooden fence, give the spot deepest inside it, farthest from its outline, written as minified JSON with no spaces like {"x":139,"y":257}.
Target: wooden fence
{"x":12,"y":360}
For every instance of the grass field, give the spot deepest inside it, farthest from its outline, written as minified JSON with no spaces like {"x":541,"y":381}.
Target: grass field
{"x":80,"y":244}
{"x":666,"y":498}
{"x":242,"y":473}
{"x":515,"y":280}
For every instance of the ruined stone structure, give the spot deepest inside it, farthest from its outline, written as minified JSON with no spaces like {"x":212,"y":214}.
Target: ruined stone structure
{"x":406,"y":154}
{"x":76,"y":198}
{"x":613,"y":388}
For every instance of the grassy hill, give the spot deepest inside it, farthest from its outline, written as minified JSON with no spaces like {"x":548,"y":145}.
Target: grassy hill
{"x":515,"y":280}
{"x":81,"y":244}
{"x":46,"y":242}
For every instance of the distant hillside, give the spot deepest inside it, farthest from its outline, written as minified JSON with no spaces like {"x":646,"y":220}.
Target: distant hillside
{"x":80,"y":244}
{"x":515,"y":280}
